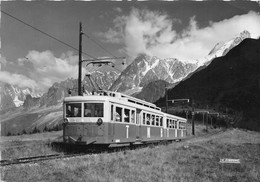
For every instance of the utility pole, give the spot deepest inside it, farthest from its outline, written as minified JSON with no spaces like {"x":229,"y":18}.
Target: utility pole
{"x":166,"y":98}
{"x":193,"y":113}
{"x":207,"y":119}
{"x":187,"y":114}
{"x":203,"y":118}
{"x":80,"y":59}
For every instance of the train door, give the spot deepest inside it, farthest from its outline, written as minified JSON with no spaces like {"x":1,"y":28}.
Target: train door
{"x":112,"y":121}
{"x":138,"y":124}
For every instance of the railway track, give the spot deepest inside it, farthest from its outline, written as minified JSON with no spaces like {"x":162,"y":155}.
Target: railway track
{"x":36,"y":159}
{"x":88,"y":152}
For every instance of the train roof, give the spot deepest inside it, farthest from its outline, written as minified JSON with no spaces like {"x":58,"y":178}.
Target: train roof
{"x":175,"y":117}
{"x":107,"y":95}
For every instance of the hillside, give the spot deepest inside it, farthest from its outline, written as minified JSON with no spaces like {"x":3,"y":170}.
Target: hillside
{"x":230,"y":83}
{"x":156,"y":90}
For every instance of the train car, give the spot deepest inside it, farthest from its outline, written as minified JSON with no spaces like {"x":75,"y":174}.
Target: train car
{"x":111,"y":118}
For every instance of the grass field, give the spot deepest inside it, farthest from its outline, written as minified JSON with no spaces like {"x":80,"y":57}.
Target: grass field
{"x":197,"y":159}
{"x":28,"y":145}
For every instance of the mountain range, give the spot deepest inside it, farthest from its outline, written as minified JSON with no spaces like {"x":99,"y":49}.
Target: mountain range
{"x":146,"y":74}
{"x":220,"y":49}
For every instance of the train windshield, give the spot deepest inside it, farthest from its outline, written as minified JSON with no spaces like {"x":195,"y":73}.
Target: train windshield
{"x":73,"y":110}
{"x":93,"y":109}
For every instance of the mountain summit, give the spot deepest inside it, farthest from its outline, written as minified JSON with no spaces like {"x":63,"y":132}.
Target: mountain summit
{"x":145,"y":69}
{"x":222,"y":48}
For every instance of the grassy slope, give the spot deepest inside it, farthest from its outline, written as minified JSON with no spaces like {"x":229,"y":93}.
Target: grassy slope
{"x":18,"y":120}
{"x":193,"y":160}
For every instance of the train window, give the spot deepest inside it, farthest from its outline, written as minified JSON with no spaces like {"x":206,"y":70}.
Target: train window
{"x":152,"y":120}
{"x":170,"y":123}
{"x":112,"y":112}
{"x":175,"y":124}
{"x":161,"y":121}
{"x":144,"y":118}
{"x":126,"y":115}
{"x":73,"y":110}
{"x":180,"y":125}
{"x":184,"y":126}
{"x":133,"y":116}
{"x":148,"y":117}
{"x":93,"y":109}
{"x":118,"y":114}
{"x":157,"y":121}
{"x":167,"y":123}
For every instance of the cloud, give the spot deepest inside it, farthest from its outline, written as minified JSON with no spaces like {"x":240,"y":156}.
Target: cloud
{"x":42,"y":69}
{"x":18,"y":79}
{"x":2,"y":61}
{"x":144,"y":31}
{"x":118,"y":9}
{"x":49,"y":69}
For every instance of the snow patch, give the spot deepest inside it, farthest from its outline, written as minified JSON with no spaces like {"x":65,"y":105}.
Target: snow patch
{"x":18,"y":102}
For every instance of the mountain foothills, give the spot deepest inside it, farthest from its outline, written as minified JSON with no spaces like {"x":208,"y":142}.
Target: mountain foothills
{"x":146,"y":74}
{"x":229,"y":84}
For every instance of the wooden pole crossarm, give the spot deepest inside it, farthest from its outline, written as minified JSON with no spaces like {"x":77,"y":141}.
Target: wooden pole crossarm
{"x":100,"y":59}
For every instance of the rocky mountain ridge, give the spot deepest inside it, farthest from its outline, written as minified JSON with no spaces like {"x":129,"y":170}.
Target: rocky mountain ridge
{"x":14,"y":96}
{"x":145,"y":69}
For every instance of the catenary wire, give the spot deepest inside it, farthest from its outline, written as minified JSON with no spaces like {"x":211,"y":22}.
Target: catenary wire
{"x":99,"y":45}
{"x":44,"y":33}
{"x":59,"y":39}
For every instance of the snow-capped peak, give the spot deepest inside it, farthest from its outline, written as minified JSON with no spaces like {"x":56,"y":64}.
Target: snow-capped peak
{"x":221,"y":48}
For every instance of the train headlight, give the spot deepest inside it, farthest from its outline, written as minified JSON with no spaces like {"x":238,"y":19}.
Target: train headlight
{"x":65,"y":121}
{"x":99,"y":121}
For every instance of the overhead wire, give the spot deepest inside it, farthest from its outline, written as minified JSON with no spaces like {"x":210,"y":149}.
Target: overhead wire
{"x":96,"y":42}
{"x":62,"y":42}
{"x":45,"y":33}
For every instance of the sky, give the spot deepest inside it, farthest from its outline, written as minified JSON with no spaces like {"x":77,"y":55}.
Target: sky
{"x":184,"y":30}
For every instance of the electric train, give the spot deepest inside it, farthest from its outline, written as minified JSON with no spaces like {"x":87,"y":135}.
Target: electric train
{"x":112,"y":118}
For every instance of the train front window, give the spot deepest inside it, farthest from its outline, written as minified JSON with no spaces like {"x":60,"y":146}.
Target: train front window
{"x":93,"y":109}
{"x":126,"y":115}
{"x":73,"y":110}
{"x":118,"y":114}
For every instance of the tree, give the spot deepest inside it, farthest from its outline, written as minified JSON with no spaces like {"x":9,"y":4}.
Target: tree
{"x":24,"y":131}
{"x":45,"y":129}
